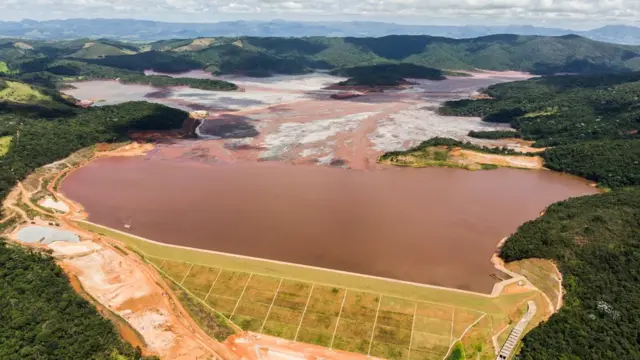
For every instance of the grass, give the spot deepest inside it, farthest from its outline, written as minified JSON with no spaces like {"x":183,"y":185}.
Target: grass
{"x":547,"y":112}
{"x":56,"y":185}
{"x":345,"y":319}
{"x":212,"y":323}
{"x":344,"y":311}
{"x":22,"y":93}
{"x":542,"y":274}
{"x":427,"y":157}
{"x":5,"y":142}
{"x":99,"y":50}
{"x":31,"y":213}
{"x":9,"y":224}
{"x":121,"y":250}
{"x":435,"y":156}
{"x":4,"y":69}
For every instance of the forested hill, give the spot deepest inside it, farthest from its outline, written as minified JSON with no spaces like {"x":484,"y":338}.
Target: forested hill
{"x":263,"y":56}
{"x":591,"y":122}
{"x":590,"y":125}
{"x":561,"y":110}
{"x":595,"y":240}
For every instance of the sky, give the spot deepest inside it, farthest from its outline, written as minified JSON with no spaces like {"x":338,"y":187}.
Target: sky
{"x":574,"y":14}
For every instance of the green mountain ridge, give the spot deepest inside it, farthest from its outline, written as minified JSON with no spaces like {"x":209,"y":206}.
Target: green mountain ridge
{"x":264,"y":56}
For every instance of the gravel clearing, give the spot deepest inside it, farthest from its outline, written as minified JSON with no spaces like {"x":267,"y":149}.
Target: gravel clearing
{"x":410,"y":127}
{"x":111,"y":280}
{"x":289,"y":135}
{"x":70,"y":249}
{"x":50,"y":203}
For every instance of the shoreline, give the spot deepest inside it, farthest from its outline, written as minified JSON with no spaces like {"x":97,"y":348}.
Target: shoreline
{"x":142,"y":150}
{"x":83,"y":217}
{"x":429,"y":294}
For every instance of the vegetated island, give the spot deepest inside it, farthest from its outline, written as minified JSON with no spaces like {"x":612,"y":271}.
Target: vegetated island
{"x":439,"y":151}
{"x":384,"y":76}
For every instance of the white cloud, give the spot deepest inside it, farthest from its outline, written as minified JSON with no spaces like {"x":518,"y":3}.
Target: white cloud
{"x":414,"y":11}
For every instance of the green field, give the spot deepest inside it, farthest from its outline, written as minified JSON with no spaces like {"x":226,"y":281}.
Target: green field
{"x":542,"y":274}
{"x":342,"y":311}
{"x":336,"y":317}
{"x":22,"y":93}
{"x":5,"y":141}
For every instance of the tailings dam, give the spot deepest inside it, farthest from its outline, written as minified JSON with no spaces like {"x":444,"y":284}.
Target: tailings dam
{"x":434,"y":226}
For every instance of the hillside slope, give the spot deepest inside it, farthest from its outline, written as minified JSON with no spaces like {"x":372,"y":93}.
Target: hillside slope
{"x":591,"y":122}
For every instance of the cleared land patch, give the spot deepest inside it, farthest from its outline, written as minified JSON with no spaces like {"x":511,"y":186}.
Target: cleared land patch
{"x":543,"y":274}
{"x":21,"y":93}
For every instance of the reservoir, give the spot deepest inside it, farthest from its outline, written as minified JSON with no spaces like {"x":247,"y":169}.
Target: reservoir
{"x":436,"y":226}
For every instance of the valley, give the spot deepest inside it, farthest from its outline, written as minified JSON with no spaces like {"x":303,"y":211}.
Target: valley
{"x":339,"y":198}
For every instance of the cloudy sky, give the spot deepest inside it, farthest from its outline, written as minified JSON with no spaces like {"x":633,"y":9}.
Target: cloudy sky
{"x":577,"y":14}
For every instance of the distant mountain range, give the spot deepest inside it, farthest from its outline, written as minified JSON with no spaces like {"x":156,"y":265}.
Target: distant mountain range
{"x":144,"y":30}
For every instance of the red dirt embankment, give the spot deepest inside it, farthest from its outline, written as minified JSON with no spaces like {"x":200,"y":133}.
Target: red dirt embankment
{"x":252,"y":346}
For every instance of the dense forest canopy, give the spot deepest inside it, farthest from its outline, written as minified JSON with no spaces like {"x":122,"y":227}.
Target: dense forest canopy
{"x":595,"y":240}
{"x":561,"y":110}
{"x":613,"y":163}
{"x":590,"y":125}
{"x":42,"y":317}
{"x":390,"y":74}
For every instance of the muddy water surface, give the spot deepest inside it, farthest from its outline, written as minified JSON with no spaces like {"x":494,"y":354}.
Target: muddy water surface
{"x":435,"y":226}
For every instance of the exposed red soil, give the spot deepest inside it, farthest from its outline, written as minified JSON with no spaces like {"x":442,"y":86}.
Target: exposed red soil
{"x":252,"y":346}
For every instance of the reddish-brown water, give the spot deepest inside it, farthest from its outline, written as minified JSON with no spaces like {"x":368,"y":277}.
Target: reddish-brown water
{"x":434,"y":226}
